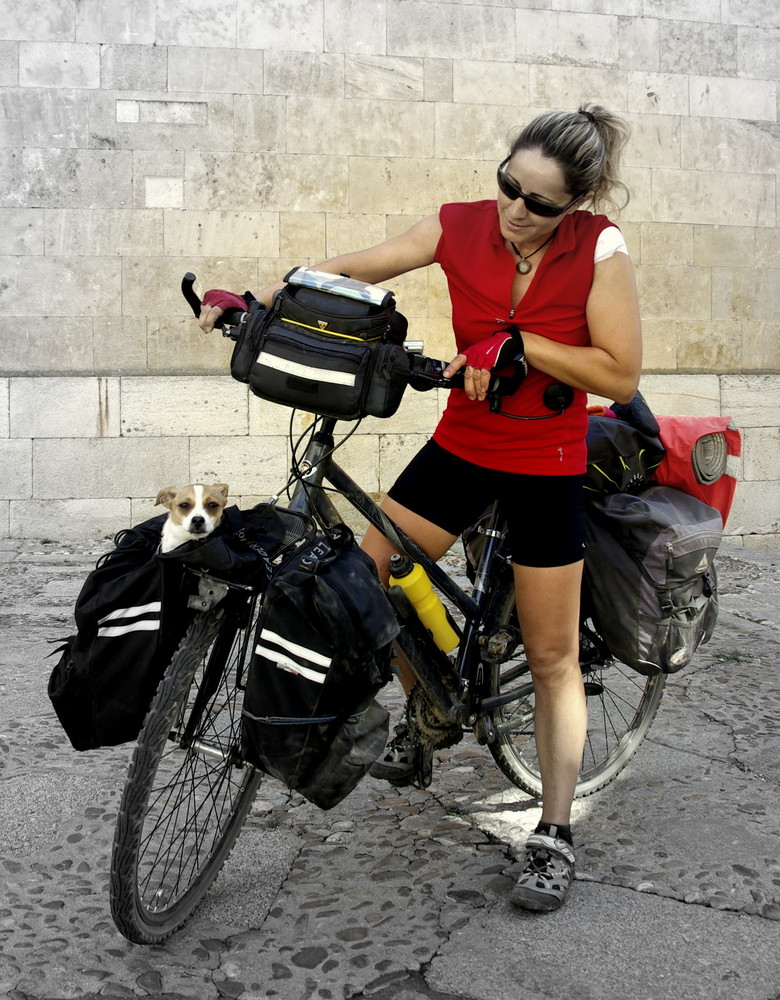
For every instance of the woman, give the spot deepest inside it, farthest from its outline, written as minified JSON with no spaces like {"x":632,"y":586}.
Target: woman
{"x":529,"y":272}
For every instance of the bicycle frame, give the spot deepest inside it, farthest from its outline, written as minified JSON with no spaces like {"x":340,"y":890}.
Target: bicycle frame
{"x":189,"y":791}
{"x":318,"y":467}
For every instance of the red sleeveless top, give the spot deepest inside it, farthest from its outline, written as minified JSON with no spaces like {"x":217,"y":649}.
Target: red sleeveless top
{"x":480,"y":273}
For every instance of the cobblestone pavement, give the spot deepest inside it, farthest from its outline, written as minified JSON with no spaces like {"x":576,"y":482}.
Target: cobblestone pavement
{"x":402,"y":894}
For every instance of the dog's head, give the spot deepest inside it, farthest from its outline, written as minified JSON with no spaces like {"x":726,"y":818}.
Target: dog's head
{"x":193,"y":511}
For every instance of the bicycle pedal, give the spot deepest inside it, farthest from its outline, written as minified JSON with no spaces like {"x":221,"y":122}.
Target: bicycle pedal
{"x":424,"y":775}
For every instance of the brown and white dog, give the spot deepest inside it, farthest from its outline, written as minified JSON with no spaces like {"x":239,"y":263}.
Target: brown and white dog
{"x":193,"y":512}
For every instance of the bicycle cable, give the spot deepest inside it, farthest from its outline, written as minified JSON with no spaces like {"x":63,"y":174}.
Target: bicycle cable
{"x":297,"y":474}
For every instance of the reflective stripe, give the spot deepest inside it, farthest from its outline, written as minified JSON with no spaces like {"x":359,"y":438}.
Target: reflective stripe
{"x":320,"y":659}
{"x":291,"y":666}
{"x":135,"y":612}
{"x":273,"y":647}
{"x":146,"y":625}
{"x":304,"y":371}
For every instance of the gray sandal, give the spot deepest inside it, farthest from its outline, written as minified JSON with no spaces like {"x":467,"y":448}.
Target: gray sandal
{"x":548,"y":873}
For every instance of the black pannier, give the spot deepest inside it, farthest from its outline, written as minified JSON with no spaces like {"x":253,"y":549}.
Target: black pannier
{"x":130,"y":616}
{"x":328,"y":345}
{"x":322,"y":651}
{"x":133,"y":611}
{"x":650,"y":581}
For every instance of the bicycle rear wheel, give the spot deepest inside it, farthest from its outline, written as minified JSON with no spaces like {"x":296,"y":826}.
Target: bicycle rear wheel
{"x":187,"y":793}
{"x":621,"y":707}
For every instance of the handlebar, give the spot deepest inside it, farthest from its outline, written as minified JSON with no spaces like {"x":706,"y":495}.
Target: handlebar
{"x":424,"y":373}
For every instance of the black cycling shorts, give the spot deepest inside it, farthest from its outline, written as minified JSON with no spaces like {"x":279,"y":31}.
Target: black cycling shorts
{"x":545,"y":514}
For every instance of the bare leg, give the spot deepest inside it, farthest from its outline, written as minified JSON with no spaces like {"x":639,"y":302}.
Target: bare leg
{"x":433,"y":540}
{"x":548,"y":608}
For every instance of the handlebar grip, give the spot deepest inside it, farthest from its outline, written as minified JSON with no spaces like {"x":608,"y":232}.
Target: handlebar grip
{"x":188,"y":292}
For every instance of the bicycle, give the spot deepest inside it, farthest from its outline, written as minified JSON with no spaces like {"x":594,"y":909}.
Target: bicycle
{"x":188,"y":789}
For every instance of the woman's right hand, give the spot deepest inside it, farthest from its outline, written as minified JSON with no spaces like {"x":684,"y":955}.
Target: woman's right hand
{"x":482,"y":358}
{"x":476,"y":381}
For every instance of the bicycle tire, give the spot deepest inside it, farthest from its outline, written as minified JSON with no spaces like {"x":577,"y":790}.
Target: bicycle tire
{"x":183,"y":806}
{"x":621,"y":707}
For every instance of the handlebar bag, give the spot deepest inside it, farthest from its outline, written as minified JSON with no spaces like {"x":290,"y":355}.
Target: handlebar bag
{"x":325,"y":346}
{"x":323,"y":644}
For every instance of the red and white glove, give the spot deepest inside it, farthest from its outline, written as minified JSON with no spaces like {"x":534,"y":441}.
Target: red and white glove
{"x":479,"y":360}
{"x":223,"y":300}
{"x":494,"y":352}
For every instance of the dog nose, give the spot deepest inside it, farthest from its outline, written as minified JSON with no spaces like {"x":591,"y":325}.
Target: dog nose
{"x":197,"y":522}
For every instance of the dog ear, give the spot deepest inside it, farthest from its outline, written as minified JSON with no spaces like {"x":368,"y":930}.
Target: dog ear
{"x":220,"y":488}
{"x":166,"y":496}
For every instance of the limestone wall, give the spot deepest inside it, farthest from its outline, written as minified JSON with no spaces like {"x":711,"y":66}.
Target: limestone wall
{"x":236,"y":139}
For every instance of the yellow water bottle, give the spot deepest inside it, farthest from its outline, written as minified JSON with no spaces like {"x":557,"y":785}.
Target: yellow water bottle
{"x":413,"y":580}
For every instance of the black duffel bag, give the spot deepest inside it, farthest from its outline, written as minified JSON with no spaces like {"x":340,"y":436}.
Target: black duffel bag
{"x":327,"y":344}
{"x":624,"y":450}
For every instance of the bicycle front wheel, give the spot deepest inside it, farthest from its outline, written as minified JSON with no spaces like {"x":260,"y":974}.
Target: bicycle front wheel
{"x":621,"y":707}
{"x":187,"y":793}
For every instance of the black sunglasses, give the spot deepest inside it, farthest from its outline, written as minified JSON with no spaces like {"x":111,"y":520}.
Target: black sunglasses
{"x":509,"y":188}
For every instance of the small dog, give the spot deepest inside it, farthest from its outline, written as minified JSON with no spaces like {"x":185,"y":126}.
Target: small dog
{"x":193,"y":512}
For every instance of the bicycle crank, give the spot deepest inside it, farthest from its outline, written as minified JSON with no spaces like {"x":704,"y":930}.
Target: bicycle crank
{"x":427,"y":724}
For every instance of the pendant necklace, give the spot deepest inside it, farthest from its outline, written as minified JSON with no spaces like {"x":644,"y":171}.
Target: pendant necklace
{"x":522,"y":266}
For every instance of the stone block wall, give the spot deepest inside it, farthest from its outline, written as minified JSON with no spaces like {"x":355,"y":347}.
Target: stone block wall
{"x":236,"y":139}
